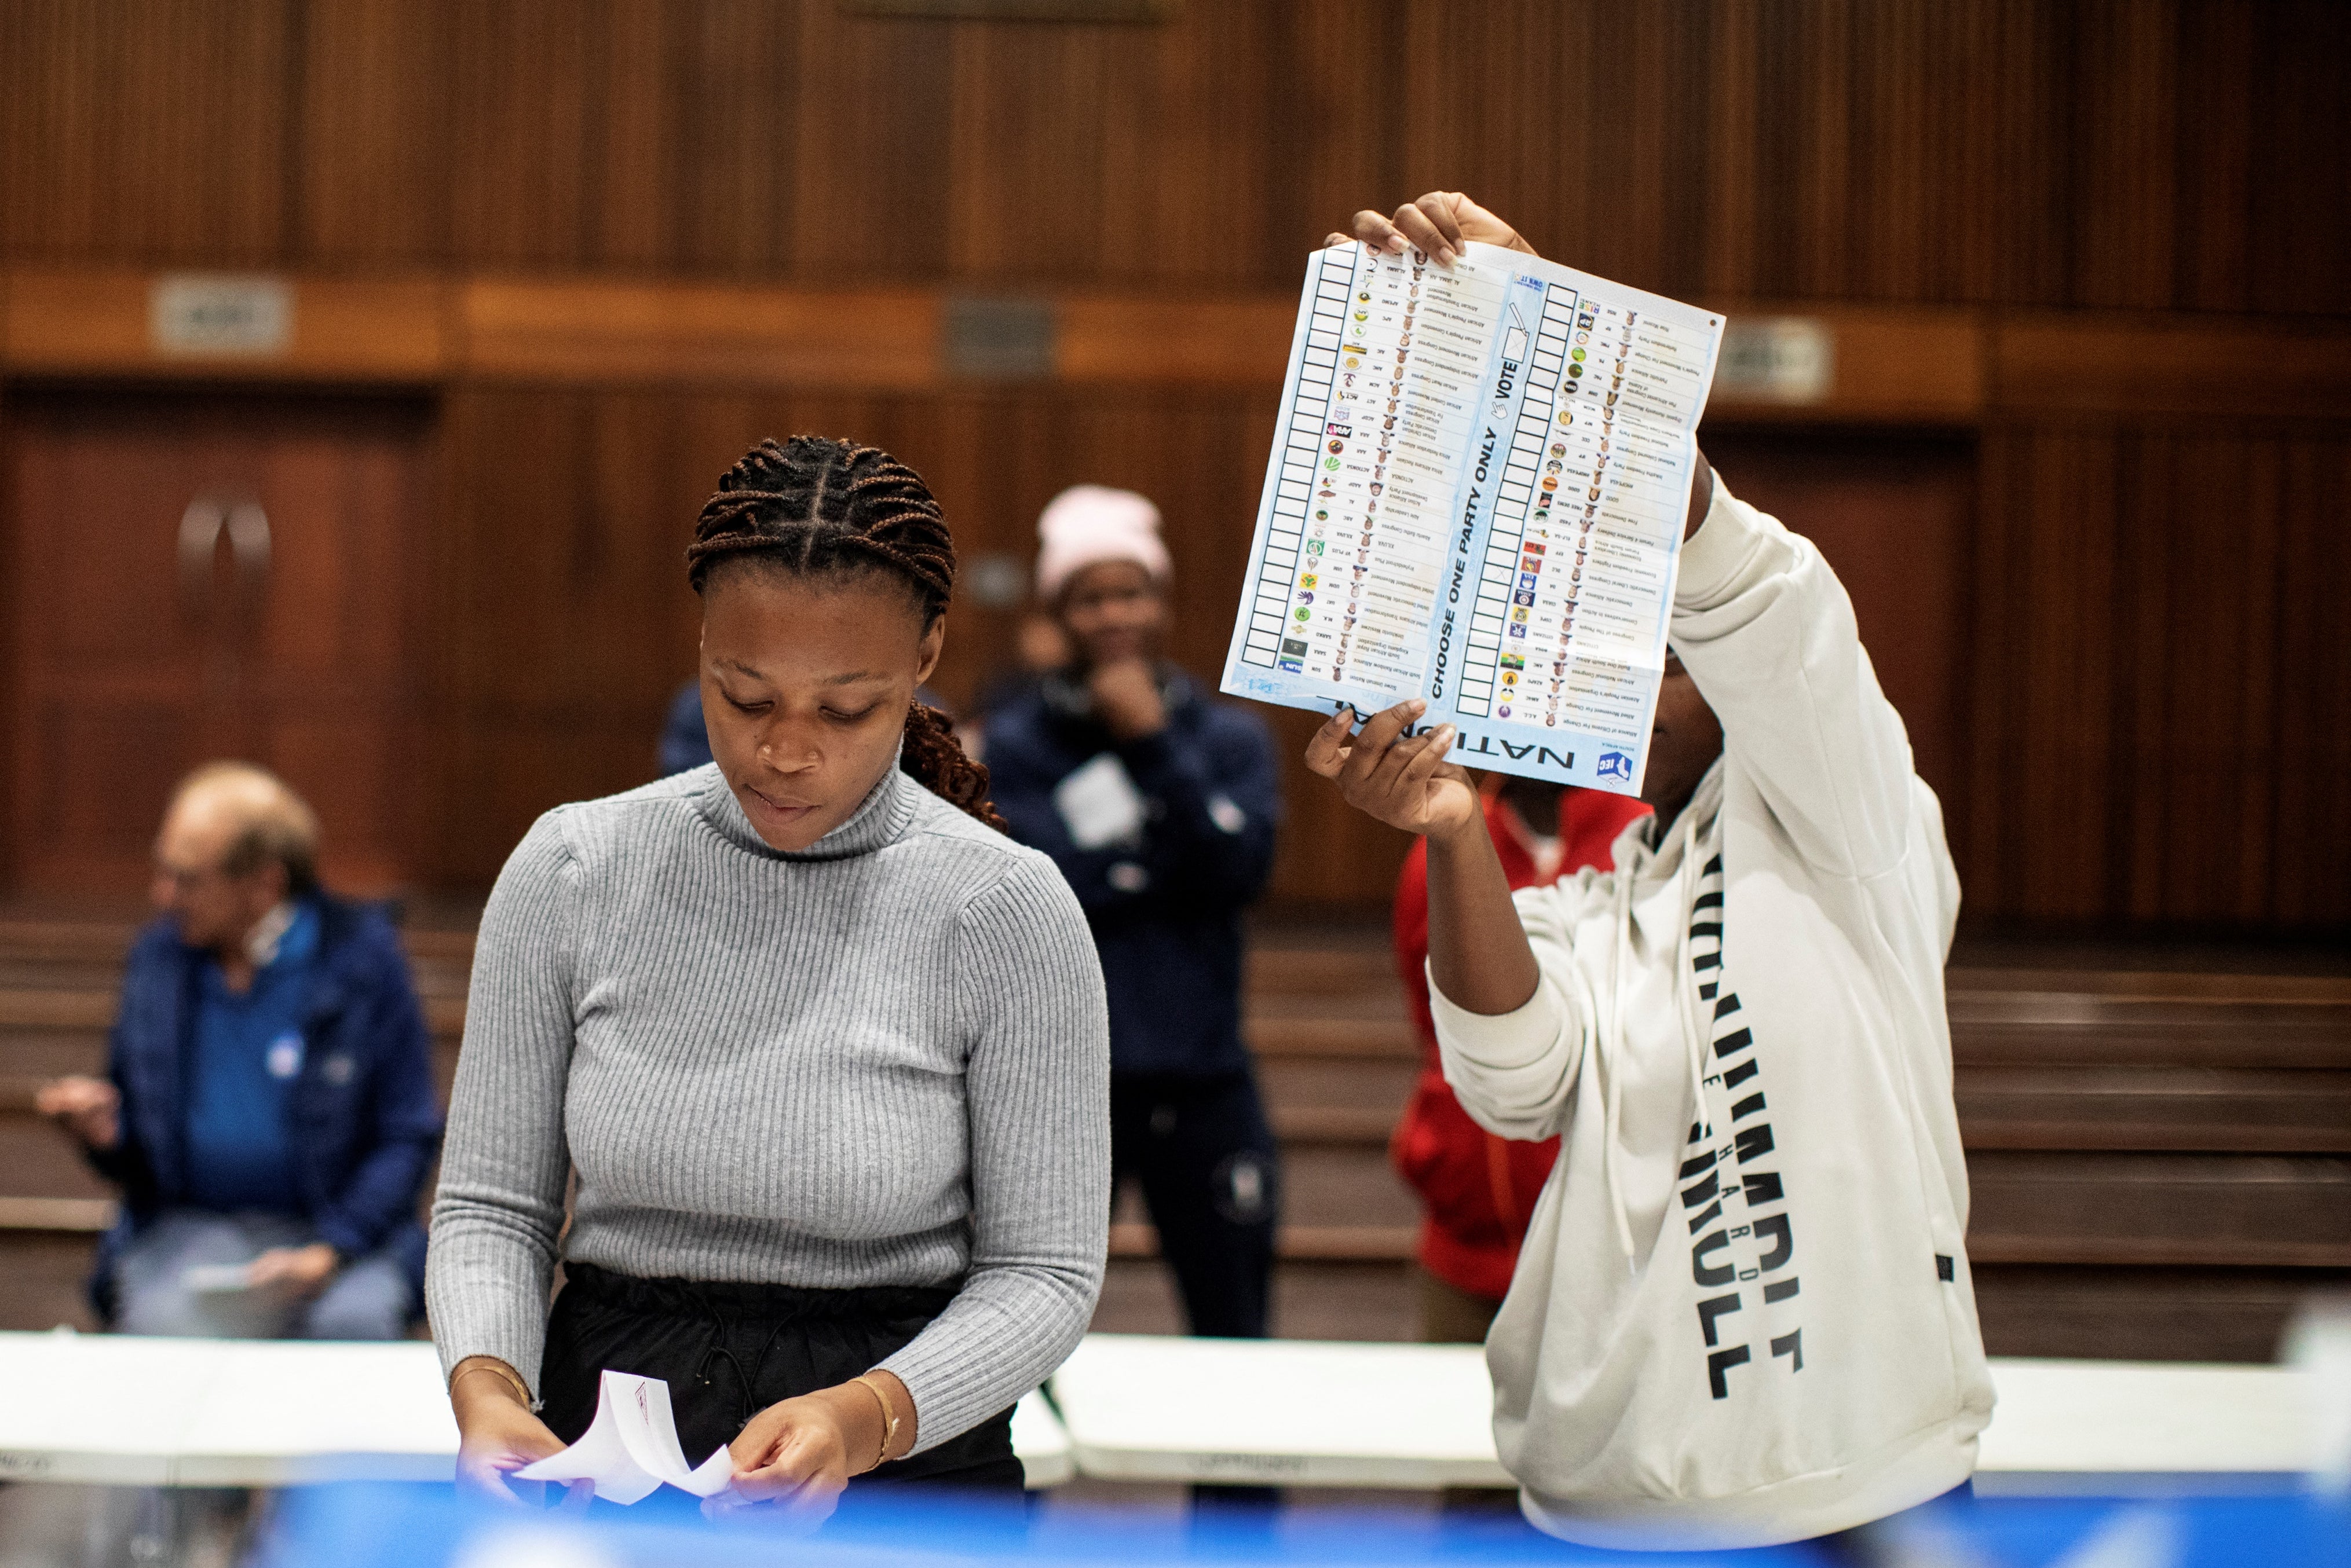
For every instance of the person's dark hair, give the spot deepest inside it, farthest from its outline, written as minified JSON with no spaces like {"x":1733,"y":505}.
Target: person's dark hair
{"x":816,"y":507}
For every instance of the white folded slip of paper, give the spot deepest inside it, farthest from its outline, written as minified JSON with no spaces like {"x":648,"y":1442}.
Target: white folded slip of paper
{"x":114,"y":1409}
{"x":632,"y":1446}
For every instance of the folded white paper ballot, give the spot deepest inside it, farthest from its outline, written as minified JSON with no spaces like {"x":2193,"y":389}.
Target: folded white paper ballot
{"x":631,"y":1448}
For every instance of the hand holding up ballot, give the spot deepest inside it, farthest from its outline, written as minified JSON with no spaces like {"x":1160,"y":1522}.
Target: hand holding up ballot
{"x":1486,"y":470}
{"x":1439,"y":225}
{"x":1400,"y":777}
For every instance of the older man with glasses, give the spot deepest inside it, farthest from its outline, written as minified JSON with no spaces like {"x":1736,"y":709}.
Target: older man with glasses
{"x":269,"y":1110}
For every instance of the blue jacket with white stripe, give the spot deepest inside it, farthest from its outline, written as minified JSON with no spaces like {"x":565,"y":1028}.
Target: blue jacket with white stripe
{"x":365,"y":1118}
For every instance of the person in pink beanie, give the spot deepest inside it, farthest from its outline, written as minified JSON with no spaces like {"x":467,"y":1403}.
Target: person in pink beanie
{"x":1159,"y":805}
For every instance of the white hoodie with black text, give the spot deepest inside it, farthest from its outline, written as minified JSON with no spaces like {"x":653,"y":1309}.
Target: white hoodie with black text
{"x":1743,"y":1313}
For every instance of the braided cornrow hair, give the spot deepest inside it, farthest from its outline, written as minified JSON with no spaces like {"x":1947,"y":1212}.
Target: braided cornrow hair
{"x":814,"y":507}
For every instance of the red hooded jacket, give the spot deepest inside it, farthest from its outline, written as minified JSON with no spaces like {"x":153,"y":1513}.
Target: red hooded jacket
{"x":1478,"y":1190}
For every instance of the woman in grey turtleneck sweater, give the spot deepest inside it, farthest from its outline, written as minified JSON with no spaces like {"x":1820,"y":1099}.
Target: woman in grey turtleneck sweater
{"x":827,"y":1051}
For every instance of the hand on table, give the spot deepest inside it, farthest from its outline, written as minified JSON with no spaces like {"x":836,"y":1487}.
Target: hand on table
{"x":798,"y":1455}
{"x":88,"y":1109}
{"x":1405,"y":783}
{"x":1438,"y":225}
{"x":497,"y":1435}
{"x":1126,"y":698}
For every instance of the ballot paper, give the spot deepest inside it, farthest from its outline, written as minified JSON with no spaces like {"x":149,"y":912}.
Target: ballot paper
{"x":631,"y":1448}
{"x":1476,"y":493}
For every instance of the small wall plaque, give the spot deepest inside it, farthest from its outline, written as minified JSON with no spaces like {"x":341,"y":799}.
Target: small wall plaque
{"x":1776,"y":359}
{"x":218,"y":313}
{"x":999,"y":339}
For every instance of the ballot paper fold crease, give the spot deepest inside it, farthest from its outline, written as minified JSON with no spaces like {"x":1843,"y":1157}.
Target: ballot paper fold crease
{"x":631,"y":1449}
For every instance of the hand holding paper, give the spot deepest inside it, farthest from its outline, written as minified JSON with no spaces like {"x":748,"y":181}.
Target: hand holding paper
{"x":1439,"y":223}
{"x":1478,"y":497}
{"x":631,"y":1447}
{"x":1395,"y":776}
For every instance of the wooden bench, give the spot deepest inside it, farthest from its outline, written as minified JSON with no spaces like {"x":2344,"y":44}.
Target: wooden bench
{"x":2160,"y":1160}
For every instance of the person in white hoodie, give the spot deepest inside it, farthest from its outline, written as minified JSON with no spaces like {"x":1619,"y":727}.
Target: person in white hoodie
{"x":1743,"y":1313}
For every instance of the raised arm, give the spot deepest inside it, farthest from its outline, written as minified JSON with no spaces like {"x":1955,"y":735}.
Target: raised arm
{"x":1762,"y":624}
{"x":1477,"y":953}
{"x":1766,"y":631}
{"x":1511,"y":1042}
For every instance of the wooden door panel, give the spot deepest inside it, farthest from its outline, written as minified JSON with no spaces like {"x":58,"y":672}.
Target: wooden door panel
{"x":349,"y":767}
{"x":289,"y":638}
{"x":334,"y":611}
{"x":92,"y":782}
{"x":99,"y":555}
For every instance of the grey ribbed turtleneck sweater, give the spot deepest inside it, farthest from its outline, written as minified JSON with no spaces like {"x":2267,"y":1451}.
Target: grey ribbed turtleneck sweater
{"x":882,"y":1061}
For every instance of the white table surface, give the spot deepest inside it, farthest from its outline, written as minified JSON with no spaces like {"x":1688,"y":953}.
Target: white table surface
{"x":1279,"y":1411}
{"x":215,"y":1412}
{"x":115,"y":1409}
{"x":186,"y":1412}
{"x":2148,"y":1417}
{"x":1317,"y":1414}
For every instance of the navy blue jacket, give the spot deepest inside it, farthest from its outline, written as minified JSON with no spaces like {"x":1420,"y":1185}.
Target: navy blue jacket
{"x":685,"y":738}
{"x":1165,"y":908}
{"x":366,"y":1121}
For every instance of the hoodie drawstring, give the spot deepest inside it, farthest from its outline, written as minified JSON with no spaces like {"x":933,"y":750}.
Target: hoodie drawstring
{"x":1685,"y":997}
{"x":1609,"y":1044}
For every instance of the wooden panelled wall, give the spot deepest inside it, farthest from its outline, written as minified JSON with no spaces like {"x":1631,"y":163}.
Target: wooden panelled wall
{"x":2156,"y":675}
{"x":572,"y":509}
{"x":2140,"y":154}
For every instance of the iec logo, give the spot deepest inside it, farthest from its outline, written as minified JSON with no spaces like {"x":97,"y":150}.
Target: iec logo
{"x":1615,"y":766}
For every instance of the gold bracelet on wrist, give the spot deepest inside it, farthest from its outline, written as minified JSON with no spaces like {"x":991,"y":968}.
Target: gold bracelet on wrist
{"x":499,"y":1370}
{"x":889,"y":1418}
